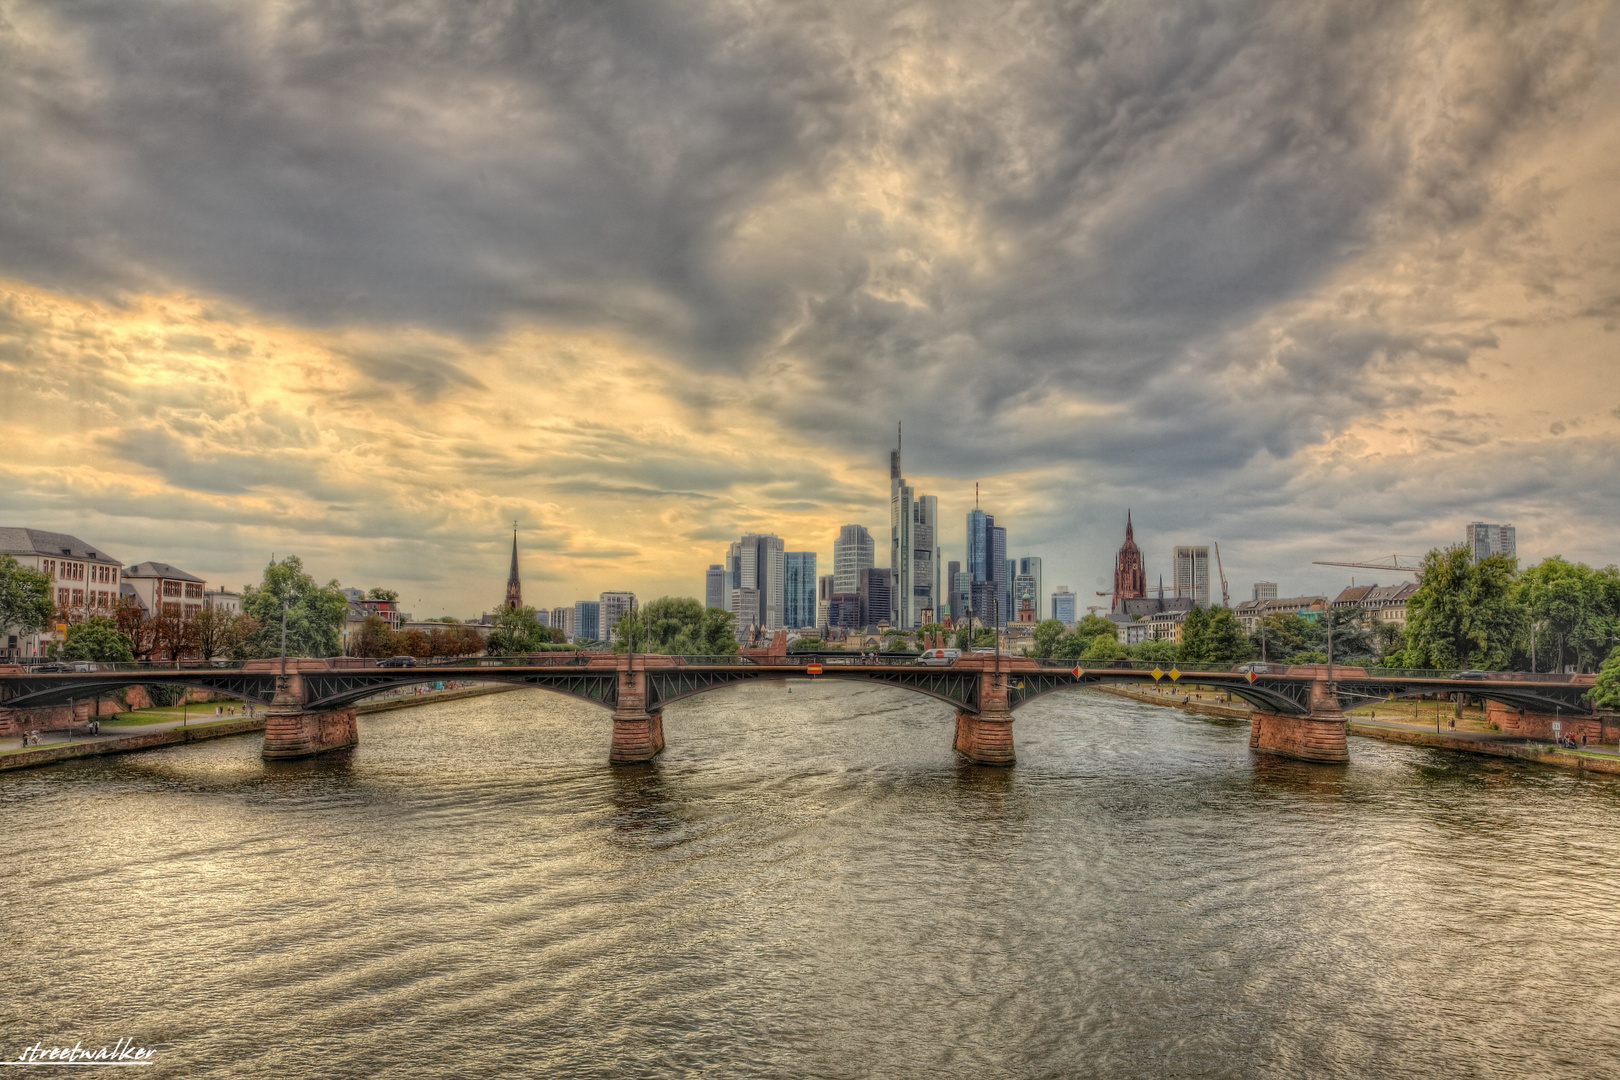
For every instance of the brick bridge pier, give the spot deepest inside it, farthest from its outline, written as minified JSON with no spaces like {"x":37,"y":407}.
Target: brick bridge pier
{"x":293,"y":731}
{"x":1318,"y":735}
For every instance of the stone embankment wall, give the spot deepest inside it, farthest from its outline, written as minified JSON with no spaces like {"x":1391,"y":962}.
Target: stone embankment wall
{"x":14,"y":722}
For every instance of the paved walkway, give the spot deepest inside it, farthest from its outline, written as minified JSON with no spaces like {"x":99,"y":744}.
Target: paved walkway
{"x":60,"y":736}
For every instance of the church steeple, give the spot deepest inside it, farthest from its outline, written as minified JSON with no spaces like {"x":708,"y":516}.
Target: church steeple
{"x":514,"y":585}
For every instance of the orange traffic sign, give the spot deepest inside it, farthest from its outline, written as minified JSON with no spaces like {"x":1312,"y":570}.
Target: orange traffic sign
{"x":814,"y":669}
{"x":1250,"y":676}
{"x":1077,"y":671}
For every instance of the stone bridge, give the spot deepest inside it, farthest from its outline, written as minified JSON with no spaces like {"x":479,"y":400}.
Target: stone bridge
{"x":1298,"y":711}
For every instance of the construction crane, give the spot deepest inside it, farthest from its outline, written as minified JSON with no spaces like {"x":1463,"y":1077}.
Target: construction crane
{"x":1093,"y":608}
{"x":1413,"y":564}
{"x":1226,"y":601}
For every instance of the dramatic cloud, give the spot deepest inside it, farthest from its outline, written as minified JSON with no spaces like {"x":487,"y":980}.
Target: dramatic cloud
{"x":369,"y":280}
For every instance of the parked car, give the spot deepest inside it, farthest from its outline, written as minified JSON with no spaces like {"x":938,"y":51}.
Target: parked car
{"x":1472,"y":675}
{"x":939,"y":657}
{"x":1256,"y":666}
{"x":53,"y":665}
{"x":398,"y":661}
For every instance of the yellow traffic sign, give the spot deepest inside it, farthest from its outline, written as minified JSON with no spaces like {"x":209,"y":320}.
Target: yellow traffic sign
{"x":1157,"y":674}
{"x":1174,"y":674}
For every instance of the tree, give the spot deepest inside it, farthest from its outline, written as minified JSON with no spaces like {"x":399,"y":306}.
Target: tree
{"x":517,"y":631}
{"x":1285,"y":634}
{"x":1104,"y":647}
{"x":807,"y":644}
{"x":390,"y":595}
{"x":679,"y":626}
{"x":1154,"y":651}
{"x":1574,"y":609}
{"x":1044,"y":638}
{"x":375,"y":638}
{"x":315,"y":613}
{"x":25,"y":597}
{"x":1352,"y":639}
{"x":1464,"y":614}
{"x":173,"y":635}
{"x":1225,"y":641}
{"x":97,"y":638}
{"x":1073,"y":645}
{"x":1195,"y":640}
{"x":1605,"y":693}
{"x":212,"y":627}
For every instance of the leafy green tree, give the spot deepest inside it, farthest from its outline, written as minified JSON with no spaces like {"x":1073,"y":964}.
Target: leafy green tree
{"x":1073,"y":645}
{"x":25,"y":597}
{"x":807,"y":644}
{"x":315,"y":613}
{"x":1574,"y":609}
{"x":1308,"y":656}
{"x":1195,"y":639}
{"x":1352,"y":639}
{"x":97,"y":638}
{"x":1464,"y":614}
{"x":1154,"y":651}
{"x":1225,"y":642}
{"x":517,"y":631}
{"x":678,"y":626}
{"x":983,"y":638}
{"x":1605,"y":693}
{"x":1285,"y":634}
{"x":1045,"y":637}
{"x":1104,"y":647}
{"x":389,"y":595}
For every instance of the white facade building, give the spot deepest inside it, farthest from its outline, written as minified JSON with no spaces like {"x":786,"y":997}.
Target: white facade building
{"x":84,"y":581}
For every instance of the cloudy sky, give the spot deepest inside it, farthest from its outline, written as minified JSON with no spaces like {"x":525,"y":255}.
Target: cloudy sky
{"x":367,"y":281}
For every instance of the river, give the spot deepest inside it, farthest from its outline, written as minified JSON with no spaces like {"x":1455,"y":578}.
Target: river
{"x":808,"y":883}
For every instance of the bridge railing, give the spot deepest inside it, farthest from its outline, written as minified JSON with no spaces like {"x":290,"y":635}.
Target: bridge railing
{"x":145,"y":667}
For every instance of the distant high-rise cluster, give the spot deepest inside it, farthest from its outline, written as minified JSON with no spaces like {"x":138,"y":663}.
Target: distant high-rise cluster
{"x":1485,"y":540}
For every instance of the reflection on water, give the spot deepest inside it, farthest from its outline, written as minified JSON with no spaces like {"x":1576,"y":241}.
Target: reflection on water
{"x":811,"y":883}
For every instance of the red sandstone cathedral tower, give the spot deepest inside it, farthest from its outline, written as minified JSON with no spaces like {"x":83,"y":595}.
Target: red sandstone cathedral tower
{"x":1130,"y":579}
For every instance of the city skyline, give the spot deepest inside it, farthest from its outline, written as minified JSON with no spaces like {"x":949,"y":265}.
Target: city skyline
{"x":1303,"y":326}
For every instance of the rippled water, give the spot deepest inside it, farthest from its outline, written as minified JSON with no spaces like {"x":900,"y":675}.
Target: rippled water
{"x":809,"y":884}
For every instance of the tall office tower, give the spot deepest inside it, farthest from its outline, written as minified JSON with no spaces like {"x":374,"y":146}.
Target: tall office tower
{"x":757,"y":562}
{"x":1265,"y":590}
{"x":1486,"y":540}
{"x":745,"y":606}
{"x":914,"y":582}
{"x":853,"y":552}
{"x":824,"y":595}
{"x":714,"y":586}
{"x":952,"y":568}
{"x":610,"y":608}
{"x":979,"y":525}
{"x":586,"y":624}
{"x":1003,"y":568}
{"x":986,"y":604}
{"x":1192,"y":574}
{"x":562,"y":618}
{"x":844,"y":610}
{"x":1063,"y":606}
{"x":543,"y":617}
{"x":876,"y":593}
{"x":926,"y":600}
{"x":1130,"y":576}
{"x":1032,"y":567}
{"x":961,"y":594}
{"x":799,"y":589}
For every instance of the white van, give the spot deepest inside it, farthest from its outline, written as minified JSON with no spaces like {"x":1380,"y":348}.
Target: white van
{"x":939,"y":657}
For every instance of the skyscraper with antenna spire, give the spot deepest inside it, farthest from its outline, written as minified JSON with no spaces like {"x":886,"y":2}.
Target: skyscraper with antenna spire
{"x":913,"y":549}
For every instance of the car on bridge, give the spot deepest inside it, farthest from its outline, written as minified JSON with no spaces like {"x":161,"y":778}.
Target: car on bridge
{"x":1475,"y":674}
{"x":939,"y":657}
{"x":398,"y":661}
{"x":1258,"y":667}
